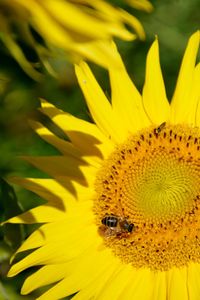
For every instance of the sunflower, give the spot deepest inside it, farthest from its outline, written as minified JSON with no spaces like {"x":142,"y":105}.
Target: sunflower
{"x":141,"y":5}
{"x":122,"y":214}
{"x":80,"y":28}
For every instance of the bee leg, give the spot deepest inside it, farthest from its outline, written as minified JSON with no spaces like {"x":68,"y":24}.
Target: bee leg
{"x":111,"y":231}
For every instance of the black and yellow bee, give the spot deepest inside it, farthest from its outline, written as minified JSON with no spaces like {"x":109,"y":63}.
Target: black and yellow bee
{"x":116,"y":225}
{"x":160,"y":128}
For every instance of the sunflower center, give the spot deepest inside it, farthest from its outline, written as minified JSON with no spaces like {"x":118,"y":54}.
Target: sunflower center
{"x":148,"y":198}
{"x":159,"y":188}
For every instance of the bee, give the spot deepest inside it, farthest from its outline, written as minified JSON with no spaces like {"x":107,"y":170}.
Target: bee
{"x":115,"y":225}
{"x":160,"y":128}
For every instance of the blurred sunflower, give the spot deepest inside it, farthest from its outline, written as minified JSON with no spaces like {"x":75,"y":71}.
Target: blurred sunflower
{"x":122,"y":217}
{"x":79,"y":27}
{"x":141,"y":5}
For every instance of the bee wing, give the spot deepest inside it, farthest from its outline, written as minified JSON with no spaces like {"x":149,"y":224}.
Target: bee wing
{"x":112,"y":231}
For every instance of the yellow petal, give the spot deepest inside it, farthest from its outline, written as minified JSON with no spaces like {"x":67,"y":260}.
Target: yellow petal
{"x":61,"y":198}
{"x":63,"y":146}
{"x":46,"y":25}
{"x":84,"y":135}
{"x":181,"y":97}
{"x":144,"y":288}
{"x":16,"y":51}
{"x":141,"y":5}
{"x":63,"y":229}
{"x":96,"y":286}
{"x":141,"y":284}
{"x":197,"y":117}
{"x":191,"y":115}
{"x":61,"y":167}
{"x":117,"y":17}
{"x":99,"y":106}
{"x":97,"y":51}
{"x":95,"y":264}
{"x":160,"y":287}
{"x":81,"y":31}
{"x":177,"y":284}
{"x":90,"y":26}
{"x":59,"y":251}
{"x":44,"y":276}
{"x":53,"y":191}
{"x":40,"y":214}
{"x":126,"y":100}
{"x":49,"y":213}
{"x":155,"y":101}
{"x":194,"y":280}
{"x":106,"y":266}
{"x":133,"y":22}
{"x":66,"y":148}
{"x":116,"y":286}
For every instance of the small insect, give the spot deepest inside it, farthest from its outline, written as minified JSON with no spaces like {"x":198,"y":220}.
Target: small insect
{"x":115,"y":225}
{"x":160,"y":128}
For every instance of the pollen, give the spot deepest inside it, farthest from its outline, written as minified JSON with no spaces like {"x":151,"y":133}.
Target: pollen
{"x":153,"y":182}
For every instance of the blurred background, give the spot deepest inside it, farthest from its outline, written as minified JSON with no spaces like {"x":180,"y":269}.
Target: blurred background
{"x":173,"y":21}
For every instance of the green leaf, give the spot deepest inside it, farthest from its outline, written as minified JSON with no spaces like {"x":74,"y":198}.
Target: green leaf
{"x":13,"y":234}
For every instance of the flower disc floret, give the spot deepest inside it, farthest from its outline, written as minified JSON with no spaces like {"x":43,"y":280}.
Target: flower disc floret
{"x":153,"y":180}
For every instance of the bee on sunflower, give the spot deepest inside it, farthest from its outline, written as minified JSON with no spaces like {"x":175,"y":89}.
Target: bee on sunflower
{"x":136,"y":168}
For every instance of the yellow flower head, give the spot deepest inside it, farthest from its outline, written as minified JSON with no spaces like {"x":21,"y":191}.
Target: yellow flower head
{"x":81,"y":28}
{"x":123,"y":211}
